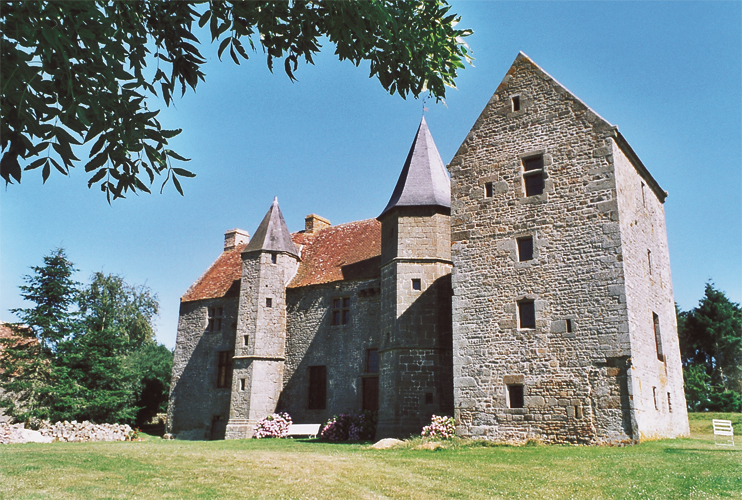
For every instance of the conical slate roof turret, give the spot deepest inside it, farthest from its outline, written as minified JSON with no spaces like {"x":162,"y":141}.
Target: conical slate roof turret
{"x":272,"y":234}
{"x":424,"y":180}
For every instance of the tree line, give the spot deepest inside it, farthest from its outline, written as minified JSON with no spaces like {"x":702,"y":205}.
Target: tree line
{"x":711,"y":351}
{"x":83,"y":351}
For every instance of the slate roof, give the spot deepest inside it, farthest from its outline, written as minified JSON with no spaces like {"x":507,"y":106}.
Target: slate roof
{"x":424,"y":180}
{"x":336,"y":253}
{"x":272,"y":234}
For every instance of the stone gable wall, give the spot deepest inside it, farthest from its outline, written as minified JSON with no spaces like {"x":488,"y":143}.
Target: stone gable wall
{"x":576,"y":272}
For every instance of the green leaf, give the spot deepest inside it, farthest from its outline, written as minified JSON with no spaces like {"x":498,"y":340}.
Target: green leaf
{"x":98,"y":161}
{"x":35,"y":164}
{"x":183,"y":172}
{"x":97,"y":177}
{"x":176,"y":182}
{"x":170,"y":152}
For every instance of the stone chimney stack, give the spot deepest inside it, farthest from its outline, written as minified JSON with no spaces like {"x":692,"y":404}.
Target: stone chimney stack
{"x":235,"y":237}
{"x":313,"y":223}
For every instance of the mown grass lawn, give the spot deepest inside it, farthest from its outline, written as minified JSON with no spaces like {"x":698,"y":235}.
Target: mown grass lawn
{"x":692,"y":468}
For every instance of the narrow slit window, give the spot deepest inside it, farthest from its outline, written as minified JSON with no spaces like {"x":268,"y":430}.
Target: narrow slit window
{"x":242,"y":384}
{"x":569,"y":325}
{"x":533,"y":175}
{"x":416,"y":284}
{"x":669,"y":403}
{"x":488,"y":192}
{"x":516,"y":102}
{"x":526,"y":314}
{"x":525,"y":249}
{"x":515,"y":396}
{"x":274,"y":257}
{"x":644,"y":198}
{"x":649,"y":261}
{"x":657,"y":336}
{"x":654,"y":395}
{"x":246,"y":339}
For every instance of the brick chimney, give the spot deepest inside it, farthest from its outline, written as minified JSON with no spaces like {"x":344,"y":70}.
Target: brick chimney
{"x":235,"y":237}
{"x":313,"y":223}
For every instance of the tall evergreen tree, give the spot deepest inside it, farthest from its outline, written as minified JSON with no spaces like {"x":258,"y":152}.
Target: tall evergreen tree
{"x":711,"y":349}
{"x":27,"y":361}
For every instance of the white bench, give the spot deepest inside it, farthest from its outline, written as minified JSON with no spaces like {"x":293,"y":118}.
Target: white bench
{"x":310,"y":430}
{"x":723,"y":428}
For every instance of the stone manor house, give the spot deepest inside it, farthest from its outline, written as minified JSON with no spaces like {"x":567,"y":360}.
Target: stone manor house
{"x":524,"y":289}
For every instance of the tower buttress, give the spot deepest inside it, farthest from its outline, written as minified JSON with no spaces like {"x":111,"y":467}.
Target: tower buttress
{"x":269,"y":262}
{"x":416,"y":379}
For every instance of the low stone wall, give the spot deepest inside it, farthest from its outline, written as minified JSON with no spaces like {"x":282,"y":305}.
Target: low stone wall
{"x":64,"y":431}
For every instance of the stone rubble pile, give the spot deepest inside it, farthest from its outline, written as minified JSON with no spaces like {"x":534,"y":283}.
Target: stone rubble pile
{"x":64,"y":431}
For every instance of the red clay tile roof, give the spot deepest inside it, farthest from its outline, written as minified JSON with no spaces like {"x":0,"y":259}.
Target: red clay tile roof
{"x":336,"y":253}
{"x":220,"y":278}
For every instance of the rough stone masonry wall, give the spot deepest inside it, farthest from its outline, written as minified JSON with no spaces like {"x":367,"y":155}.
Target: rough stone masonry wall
{"x":649,"y":290}
{"x":194,"y":398}
{"x":259,"y":363}
{"x":574,"y":382}
{"x":312,"y":340}
{"x":415,"y":379}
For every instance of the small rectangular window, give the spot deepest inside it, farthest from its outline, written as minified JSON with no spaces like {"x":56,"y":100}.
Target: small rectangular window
{"x":516,"y":102}
{"x":657,"y":337}
{"x":216,"y":314}
{"x":246,"y":339}
{"x":527,"y":314}
{"x":317,"y":388}
{"x":428,"y":398}
{"x":525,"y":249}
{"x":243,"y":382}
{"x":268,"y":302}
{"x":372,"y":360}
{"x":515,"y":396}
{"x":224,"y":369}
{"x":488,"y":192}
{"x":533,"y":175}
{"x":416,"y":284}
{"x":341,"y":311}
{"x":569,"y":325}
{"x":274,"y":257}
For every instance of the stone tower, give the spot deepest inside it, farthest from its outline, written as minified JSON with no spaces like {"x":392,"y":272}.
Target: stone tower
{"x":415,"y":379}
{"x":563,"y":315}
{"x":269,"y":262}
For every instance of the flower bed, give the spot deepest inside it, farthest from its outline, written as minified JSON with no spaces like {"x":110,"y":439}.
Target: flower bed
{"x":273,"y":426}
{"x":357,"y":426}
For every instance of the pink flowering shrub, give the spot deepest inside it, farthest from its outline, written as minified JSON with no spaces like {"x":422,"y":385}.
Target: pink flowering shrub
{"x":440,"y":428}
{"x":273,"y":426}
{"x":358,"y":426}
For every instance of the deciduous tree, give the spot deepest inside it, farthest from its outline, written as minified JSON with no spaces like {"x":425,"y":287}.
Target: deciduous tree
{"x":75,"y":73}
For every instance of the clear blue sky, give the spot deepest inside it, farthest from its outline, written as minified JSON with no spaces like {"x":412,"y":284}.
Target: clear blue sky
{"x":669,"y":74}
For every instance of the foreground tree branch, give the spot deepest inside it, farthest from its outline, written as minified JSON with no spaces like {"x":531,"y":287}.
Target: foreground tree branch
{"x":73,"y":73}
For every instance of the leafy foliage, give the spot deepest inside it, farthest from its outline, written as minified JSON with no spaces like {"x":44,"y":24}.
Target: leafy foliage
{"x":75,"y":73}
{"x":711,"y":350}
{"x":99,"y":363}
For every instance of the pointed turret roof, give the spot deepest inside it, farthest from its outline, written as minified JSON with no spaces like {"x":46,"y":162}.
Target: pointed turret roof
{"x":424,"y":180}
{"x":272,"y":234}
